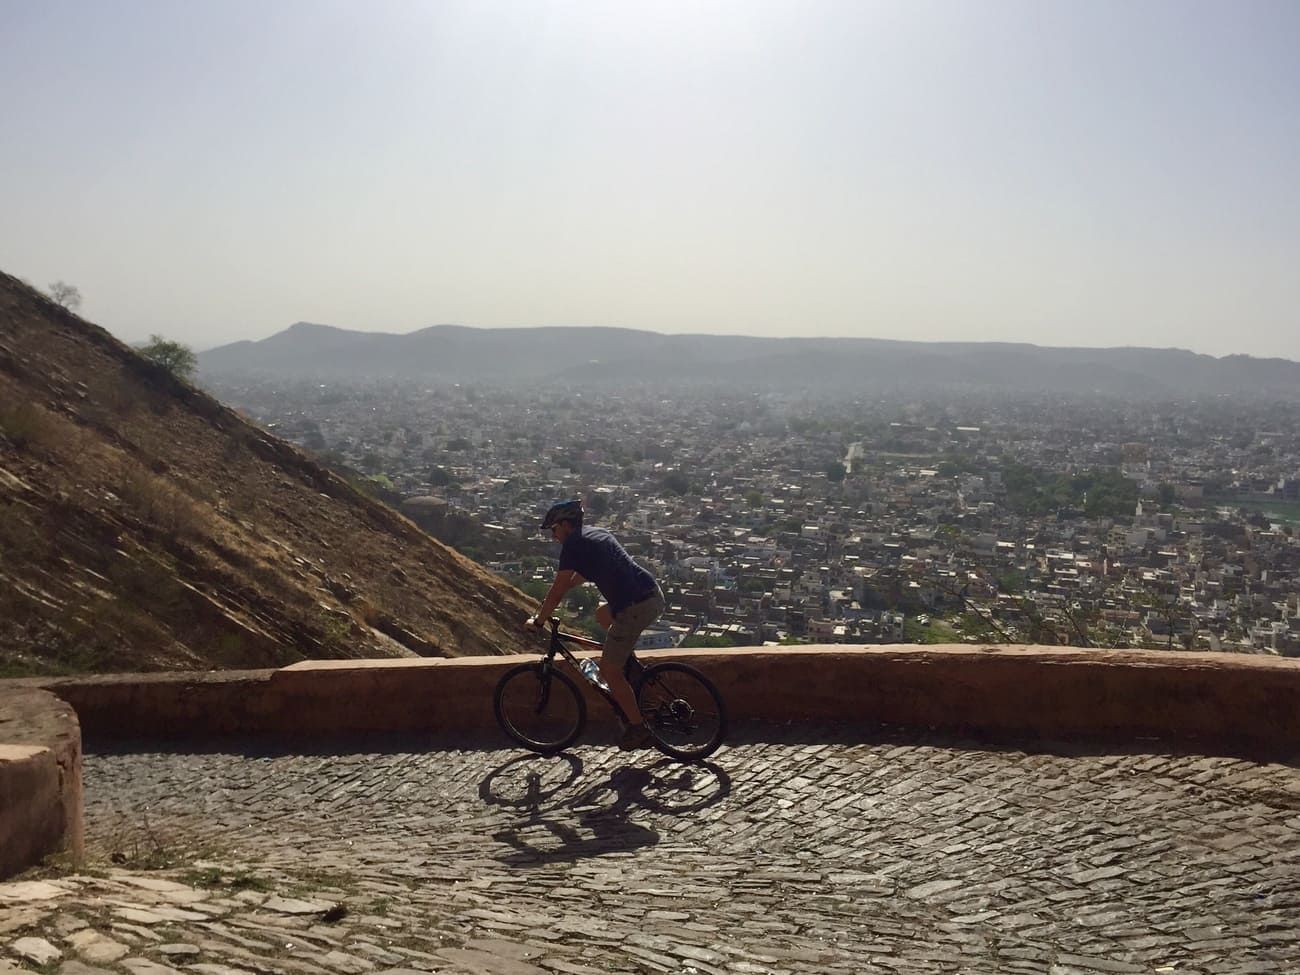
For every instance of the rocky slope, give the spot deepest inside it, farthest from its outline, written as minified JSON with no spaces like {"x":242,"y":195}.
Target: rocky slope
{"x":143,"y":526}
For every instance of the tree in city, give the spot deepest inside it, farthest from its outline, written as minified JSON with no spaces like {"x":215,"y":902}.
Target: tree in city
{"x":718,"y":641}
{"x":676,"y":482}
{"x":65,"y":294}
{"x":313,"y":439}
{"x":1011,"y":581}
{"x":597,"y":504}
{"x":439,"y":477}
{"x":176,"y":358}
{"x":835,"y":471}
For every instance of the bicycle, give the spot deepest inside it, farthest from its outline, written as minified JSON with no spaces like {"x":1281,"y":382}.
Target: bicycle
{"x":538,"y":705}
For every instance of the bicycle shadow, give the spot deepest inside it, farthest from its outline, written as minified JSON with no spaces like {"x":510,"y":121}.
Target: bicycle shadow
{"x":594,"y":821}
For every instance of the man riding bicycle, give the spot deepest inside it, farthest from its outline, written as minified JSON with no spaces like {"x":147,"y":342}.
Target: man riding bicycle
{"x":633,"y":600}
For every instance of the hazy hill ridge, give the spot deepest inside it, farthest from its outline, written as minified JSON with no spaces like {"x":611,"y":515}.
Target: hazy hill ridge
{"x":548,"y":354}
{"x":145,"y":525}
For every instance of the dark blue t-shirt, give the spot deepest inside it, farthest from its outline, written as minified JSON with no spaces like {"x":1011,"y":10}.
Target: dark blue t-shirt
{"x":597,"y":556}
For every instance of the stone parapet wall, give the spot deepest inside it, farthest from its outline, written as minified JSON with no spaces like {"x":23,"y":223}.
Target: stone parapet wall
{"x":1217,"y":700}
{"x":1215,"y":703}
{"x":40,"y":778}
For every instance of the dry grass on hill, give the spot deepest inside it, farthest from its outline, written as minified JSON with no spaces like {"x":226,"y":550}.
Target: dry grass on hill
{"x":145,"y":526}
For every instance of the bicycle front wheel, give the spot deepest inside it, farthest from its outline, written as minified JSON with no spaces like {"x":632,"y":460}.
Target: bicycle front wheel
{"x":540,"y":708}
{"x":683,"y":710}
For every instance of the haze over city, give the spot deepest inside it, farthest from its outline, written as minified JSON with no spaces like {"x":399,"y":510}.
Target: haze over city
{"x":1062,"y":174}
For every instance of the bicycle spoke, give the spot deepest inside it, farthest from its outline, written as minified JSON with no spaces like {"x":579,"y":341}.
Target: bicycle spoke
{"x":541,"y":710}
{"x":682,"y":709}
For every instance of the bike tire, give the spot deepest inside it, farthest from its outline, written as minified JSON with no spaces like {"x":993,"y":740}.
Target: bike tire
{"x":683,"y":710}
{"x":539,"y":707}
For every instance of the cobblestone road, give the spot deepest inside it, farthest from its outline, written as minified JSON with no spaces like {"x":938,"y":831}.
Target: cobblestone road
{"x":799,"y":852}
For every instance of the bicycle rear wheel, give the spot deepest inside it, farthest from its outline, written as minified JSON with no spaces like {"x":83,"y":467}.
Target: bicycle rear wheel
{"x":539,"y":707}
{"x":683,"y":710}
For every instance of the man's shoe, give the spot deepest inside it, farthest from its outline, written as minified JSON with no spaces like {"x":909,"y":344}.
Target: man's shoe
{"x":635,"y":736}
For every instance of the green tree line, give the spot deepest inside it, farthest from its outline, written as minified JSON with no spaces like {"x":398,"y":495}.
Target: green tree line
{"x":1098,"y":493}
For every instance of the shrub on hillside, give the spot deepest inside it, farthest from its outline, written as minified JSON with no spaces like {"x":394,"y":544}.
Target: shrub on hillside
{"x":177,"y":359}
{"x":25,"y":424}
{"x":161,"y":504}
{"x":67,"y":295}
{"x":20,"y":539}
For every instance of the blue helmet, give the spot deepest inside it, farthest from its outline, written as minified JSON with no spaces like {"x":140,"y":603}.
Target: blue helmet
{"x":564,"y":511}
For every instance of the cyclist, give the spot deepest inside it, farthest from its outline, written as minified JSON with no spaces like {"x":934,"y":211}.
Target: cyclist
{"x":633,"y":600}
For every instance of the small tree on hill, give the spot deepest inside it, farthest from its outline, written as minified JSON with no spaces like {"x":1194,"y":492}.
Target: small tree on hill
{"x":65,"y":294}
{"x":177,"y":359}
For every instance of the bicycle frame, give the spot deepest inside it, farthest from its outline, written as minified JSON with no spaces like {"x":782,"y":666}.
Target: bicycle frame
{"x":559,"y":646}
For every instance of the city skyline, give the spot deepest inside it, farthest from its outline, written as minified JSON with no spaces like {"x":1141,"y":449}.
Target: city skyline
{"x":1094,"y":175}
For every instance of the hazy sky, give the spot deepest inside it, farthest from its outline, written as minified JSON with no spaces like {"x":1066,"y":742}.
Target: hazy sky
{"x":1082,"y":173}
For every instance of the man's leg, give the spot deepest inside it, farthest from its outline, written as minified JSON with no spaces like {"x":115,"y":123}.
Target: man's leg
{"x":620,"y":639}
{"x":613,"y":672}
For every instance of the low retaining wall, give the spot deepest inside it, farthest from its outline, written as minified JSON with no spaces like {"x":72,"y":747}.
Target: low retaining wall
{"x":40,"y":778}
{"x":1217,"y":700}
{"x":1215,"y":703}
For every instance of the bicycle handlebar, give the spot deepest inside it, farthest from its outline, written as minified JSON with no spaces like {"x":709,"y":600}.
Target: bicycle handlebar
{"x":554,"y":624}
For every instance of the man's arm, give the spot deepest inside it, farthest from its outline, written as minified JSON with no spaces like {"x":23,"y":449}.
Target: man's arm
{"x":564,"y":581}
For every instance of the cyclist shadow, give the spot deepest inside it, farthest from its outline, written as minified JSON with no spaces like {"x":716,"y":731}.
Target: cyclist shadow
{"x":560,"y":826}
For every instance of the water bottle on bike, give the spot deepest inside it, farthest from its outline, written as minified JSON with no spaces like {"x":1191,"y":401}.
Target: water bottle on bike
{"x":591,"y":670}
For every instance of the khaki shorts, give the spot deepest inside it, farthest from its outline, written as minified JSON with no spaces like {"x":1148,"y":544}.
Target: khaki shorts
{"x":628,"y":626}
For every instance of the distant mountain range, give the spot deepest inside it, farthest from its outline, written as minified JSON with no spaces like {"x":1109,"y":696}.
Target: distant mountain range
{"x":591,"y":357}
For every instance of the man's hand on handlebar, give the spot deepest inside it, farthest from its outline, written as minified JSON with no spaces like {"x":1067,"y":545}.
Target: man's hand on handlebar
{"x":534,"y":623}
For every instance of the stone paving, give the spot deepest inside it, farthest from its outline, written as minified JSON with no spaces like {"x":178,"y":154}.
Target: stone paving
{"x":808,"y":850}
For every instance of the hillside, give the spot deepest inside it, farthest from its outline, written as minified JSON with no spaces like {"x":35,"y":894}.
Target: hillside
{"x":143,"y":526}
{"x":588,"y":357}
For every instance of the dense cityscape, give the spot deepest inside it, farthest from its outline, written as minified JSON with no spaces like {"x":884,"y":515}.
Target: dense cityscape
{"x":787,"y":518}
